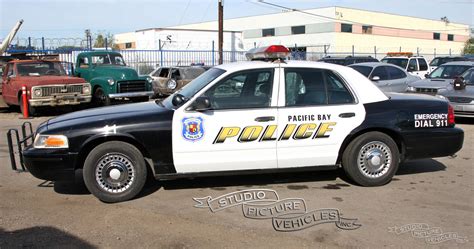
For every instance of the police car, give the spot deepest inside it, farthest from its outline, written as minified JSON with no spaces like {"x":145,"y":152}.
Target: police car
{"x":265,"y":115}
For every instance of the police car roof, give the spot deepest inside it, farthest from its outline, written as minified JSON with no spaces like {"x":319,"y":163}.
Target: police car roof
{"x":237,"y":66}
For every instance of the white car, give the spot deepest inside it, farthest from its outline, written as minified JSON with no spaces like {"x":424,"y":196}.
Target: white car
{"x":269,"y":115}
{"x":414,"y":65}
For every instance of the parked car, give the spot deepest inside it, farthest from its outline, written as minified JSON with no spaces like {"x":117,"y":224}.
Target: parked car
{"x":167,"y":80}
{"x":437,"y":61}
{"x":414,"y":65}
{"x":461,"y":94}
{"x":287,"y":116}
{"x":440,"y":78}
{"x":387,"y":77}
{"x":111,"y":78}
{"x":47,"y":82}
{"x":349,"y":60}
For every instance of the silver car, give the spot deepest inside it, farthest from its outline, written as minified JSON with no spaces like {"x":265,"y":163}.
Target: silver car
{"x":388,"y":77}
{"x":462,"y":99}
{"x":440,"y":78}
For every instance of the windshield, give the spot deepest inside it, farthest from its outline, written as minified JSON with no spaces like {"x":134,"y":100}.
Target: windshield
{"x":448,"y":71}
{"x":365,"y":70}
{"x":439,"y":61}
{"x":401,"y":62}
{"x":41,"y":68}
{"x":196,"y":85}
{"x":108,"y":59}
{"x":469,"y":76}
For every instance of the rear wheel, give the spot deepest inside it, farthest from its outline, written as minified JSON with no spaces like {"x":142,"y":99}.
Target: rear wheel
{"x":100,"y":98}
{"x":371,"y":159}
{"x":115,"y":171}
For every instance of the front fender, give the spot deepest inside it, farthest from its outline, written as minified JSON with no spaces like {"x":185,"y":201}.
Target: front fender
{"x":103,"y":83}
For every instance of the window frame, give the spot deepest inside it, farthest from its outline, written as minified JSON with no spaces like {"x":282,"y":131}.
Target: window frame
{"x":436,"y":36}
{"x":397,"y":69}
{"x":450,"y":37}
{"x":346,"y":25}
{"x":294,"y":30}
{"x":271,"y":30}
{"x":236,"y":73}
{"x":325,"y":71}
{"x":367,"y":29}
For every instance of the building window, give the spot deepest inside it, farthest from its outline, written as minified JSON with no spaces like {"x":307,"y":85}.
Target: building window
{"x":366,"y":29}
{"x":128,"y":45}
{"x":268,"y":32}
{"x":450,"y":37}
{"x":347,"y":28}
{"x":436,"y":36}
{"x":296,"y":30}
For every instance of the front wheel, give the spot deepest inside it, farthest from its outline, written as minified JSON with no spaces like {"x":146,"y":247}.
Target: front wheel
{"x":100,"y":98}
{"x":115,"y":171}
{"x":371,"y":159}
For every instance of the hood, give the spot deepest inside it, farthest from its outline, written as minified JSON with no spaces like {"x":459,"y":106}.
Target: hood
{"x":432,"y":83}
{"x":50,"y":80}
{"x":109,"y":114}
{"x":450,"y":92}
{"x":118,"y":73}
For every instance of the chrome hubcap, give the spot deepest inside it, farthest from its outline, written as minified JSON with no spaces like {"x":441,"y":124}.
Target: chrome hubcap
{"x":115,"y":173}
{"x":374,"y":159}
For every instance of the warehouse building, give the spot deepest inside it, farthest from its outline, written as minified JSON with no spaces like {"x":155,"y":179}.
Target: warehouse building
{"x":335,"y":30}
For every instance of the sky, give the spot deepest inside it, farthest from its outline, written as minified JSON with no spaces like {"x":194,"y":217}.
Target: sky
{"x":69,"y":18}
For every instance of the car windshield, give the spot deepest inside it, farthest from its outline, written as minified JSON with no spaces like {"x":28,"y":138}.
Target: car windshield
{"x":365,"y":70}
{"x":195,"y":85}
{"x":469,"y":76}
{"x":41,"y":68}
{"x":108,"y":59}
{"x":439,"y":61}
{"x":401,"y":62}
{"x":448,"y":71}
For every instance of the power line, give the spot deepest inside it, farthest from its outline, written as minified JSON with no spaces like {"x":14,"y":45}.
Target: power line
{"x":352,"y":22}
{"x":184,"y":13}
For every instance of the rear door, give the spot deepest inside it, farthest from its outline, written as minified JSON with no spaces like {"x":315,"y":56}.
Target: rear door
{"x":239,"y":131}
{"x":398,"y":79}
{"x":317,"y":110}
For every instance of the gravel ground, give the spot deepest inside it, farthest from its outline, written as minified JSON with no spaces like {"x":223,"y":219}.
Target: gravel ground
{"x":437,"y":192}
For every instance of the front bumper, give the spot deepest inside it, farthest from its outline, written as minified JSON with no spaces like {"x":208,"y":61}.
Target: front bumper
{"x":131,"y":94}
{"x":463,"y":110}
{"x":429,"y":143}
{"x":61,"y":100}
{"x":50,"y":164}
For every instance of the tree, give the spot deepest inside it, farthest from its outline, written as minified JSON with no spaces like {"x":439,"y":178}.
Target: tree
{"x":469,"y":47}
{"x":100,"y":40}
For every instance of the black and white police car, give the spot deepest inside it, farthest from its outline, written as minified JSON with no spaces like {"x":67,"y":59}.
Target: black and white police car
{"x":265,"y":115}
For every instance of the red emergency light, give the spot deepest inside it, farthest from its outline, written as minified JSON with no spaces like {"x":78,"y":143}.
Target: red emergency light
{"x":272,"y":52}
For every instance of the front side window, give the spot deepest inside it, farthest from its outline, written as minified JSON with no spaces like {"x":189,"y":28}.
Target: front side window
{"x":395,"y":73}
{"x":412,"y":65}
{"x":469,"y":76}
{"x":401,"y":62}
{"x":381,"y":72}
{"x":314,"y":87}
{"x":10,"y":70}
{"x":448,"y":71}
{"x":364,"y":70}
{"x":247,"y":89}
{"x":108,"y":59}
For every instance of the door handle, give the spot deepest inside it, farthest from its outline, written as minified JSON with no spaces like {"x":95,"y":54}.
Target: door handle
{"x":265,"y":119}
{"x":347,"y":115}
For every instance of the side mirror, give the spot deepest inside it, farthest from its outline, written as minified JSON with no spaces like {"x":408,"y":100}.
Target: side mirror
{"x":201,"y":104}
{"x":427,"y":75}
{"x":178,"y":100}
{"x":376,"y":78}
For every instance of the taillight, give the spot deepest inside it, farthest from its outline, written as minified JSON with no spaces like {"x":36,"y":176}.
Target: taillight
{"x":451,"y":115}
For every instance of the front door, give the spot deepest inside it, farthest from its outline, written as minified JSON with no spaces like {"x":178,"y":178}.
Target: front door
{"x":315,"y":116}
{"x":8,"y":86}
{"x":239,"y":133}
{"x":384,"y":81}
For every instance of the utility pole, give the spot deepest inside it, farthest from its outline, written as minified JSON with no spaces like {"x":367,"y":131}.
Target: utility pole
{"x":220,"y":41}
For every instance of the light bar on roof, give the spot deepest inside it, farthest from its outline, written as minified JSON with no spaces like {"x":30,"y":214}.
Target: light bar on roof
{"x":272,"y":52}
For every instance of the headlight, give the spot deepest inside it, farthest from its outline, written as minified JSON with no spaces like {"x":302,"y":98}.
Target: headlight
{"x":411,"y":89}
{"x":171,"y":84}
{"x":37,"y":93}
{"x":51,"y":141}
{"x":441,"y":97}
{"x":111,"y":82}
{"x":86,"y":89}
{"x":149,"y":80}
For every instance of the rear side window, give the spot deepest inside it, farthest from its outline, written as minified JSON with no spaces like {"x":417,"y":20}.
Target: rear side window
{"x":381,"y":72}
{"x":314,"y":87}
{"x":422,"y":64}
{"x":395,"y":73}
{"x":412,"y":65}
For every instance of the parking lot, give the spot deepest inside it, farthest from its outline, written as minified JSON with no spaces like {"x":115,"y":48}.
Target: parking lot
{"x":435,"y":194}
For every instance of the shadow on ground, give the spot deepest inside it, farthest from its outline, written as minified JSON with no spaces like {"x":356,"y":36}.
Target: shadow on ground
{"x":41,"y":237}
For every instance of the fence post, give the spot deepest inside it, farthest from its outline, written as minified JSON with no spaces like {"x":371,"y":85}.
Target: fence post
{"x":417,"y":51}
{"x":449,"y":52}
{"x":42,"y":43}
{"x":161,"y":52}
{"x":352,"y":50}
{"x":400,"y":49}
{"x":105,"y":43}
{"x":434,"y":52}
{"x":254,"y":44}
{"x":375,"y":52}
{"x":212,"y":54}
{"x":325,"y":51}
{"x":29,"y":42}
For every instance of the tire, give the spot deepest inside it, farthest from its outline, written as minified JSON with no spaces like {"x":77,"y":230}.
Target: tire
{"x":100,"y":98}
{"x":371,"y":159}
{"x":31,"y":109}
{"x":104,"y":170}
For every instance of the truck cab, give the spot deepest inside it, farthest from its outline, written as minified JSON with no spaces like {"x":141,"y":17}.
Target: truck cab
{"x":111,"y":78}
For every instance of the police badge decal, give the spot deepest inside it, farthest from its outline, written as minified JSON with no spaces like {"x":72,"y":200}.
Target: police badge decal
{"x":193,"y":129}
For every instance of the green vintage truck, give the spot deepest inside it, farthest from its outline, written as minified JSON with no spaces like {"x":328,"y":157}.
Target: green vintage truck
{"x":110,"y":78}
